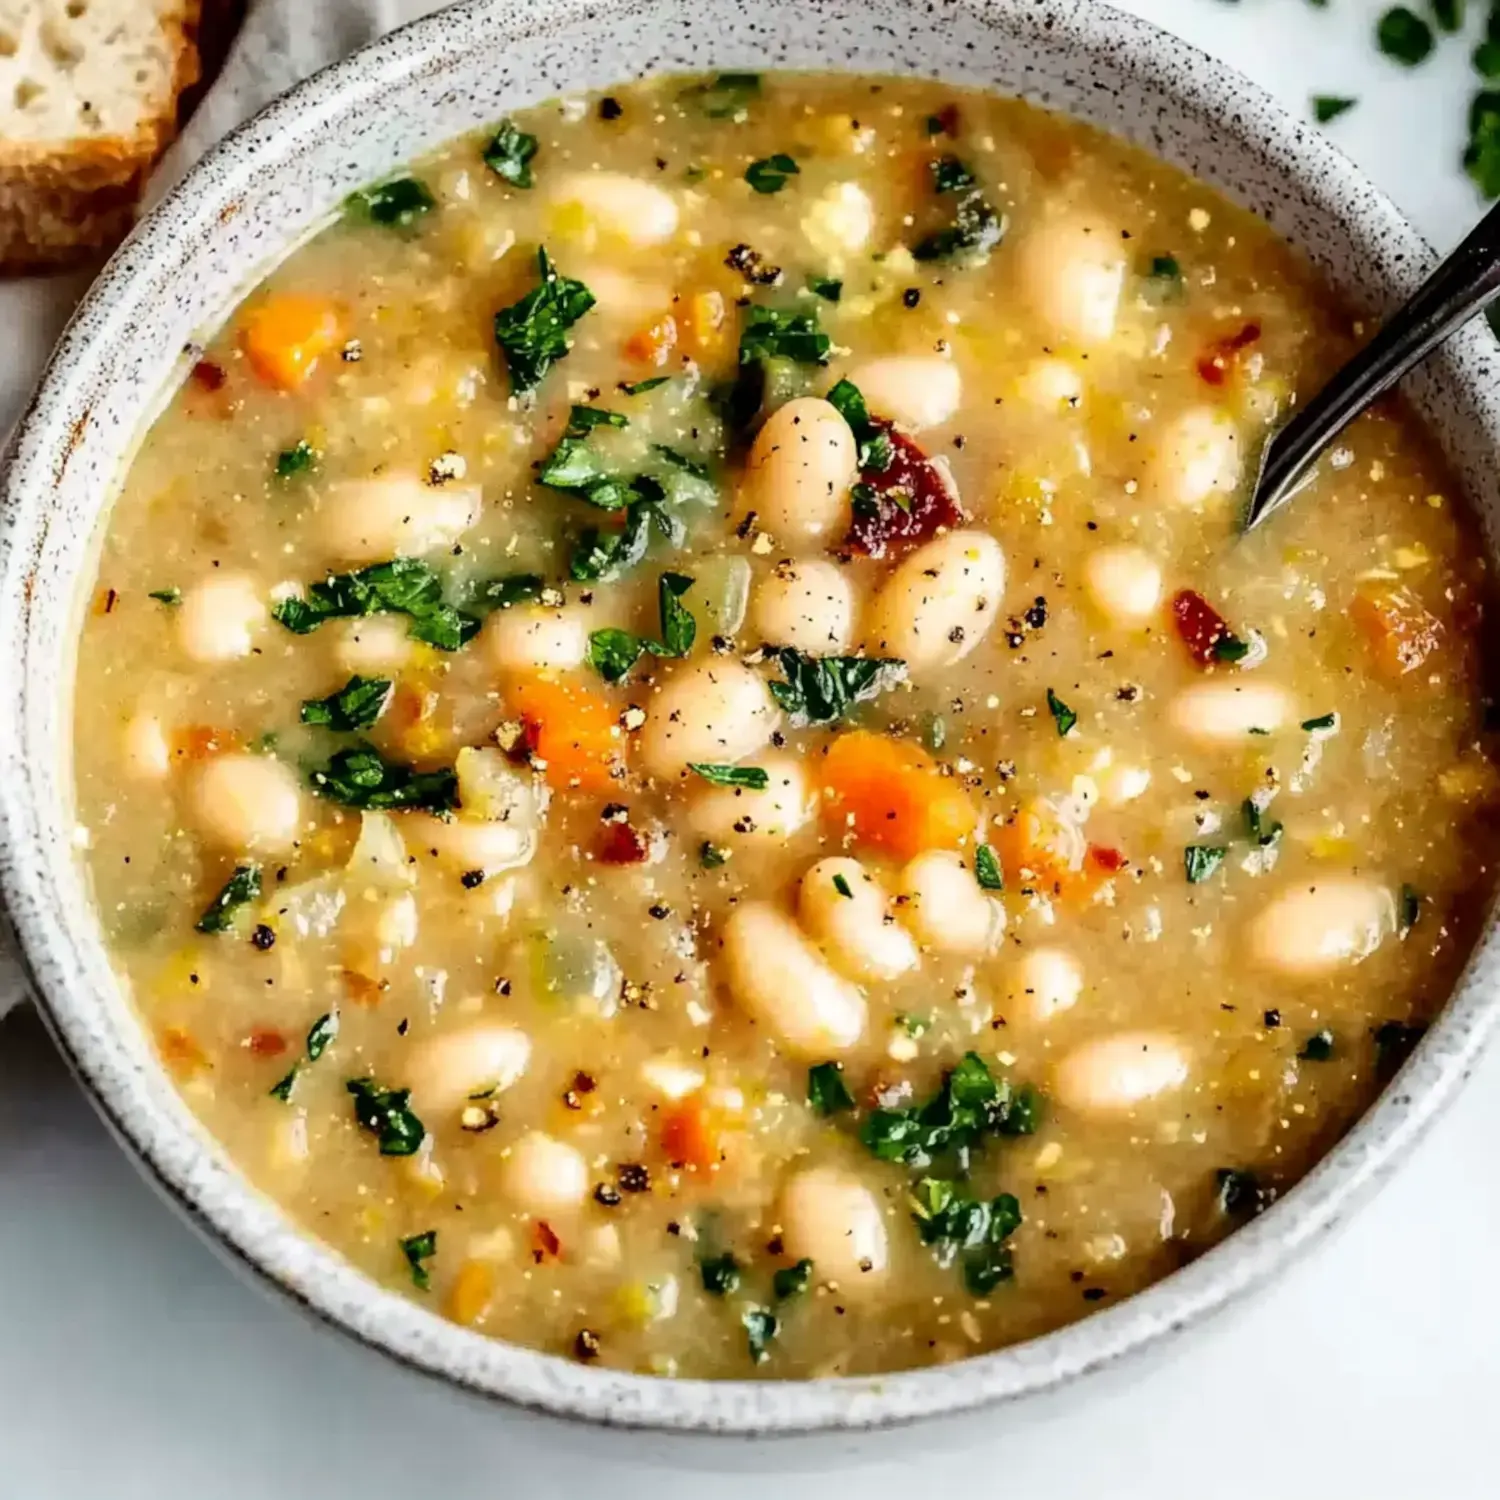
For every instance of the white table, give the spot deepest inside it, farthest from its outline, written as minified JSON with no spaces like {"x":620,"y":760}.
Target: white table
{"x":132,"y":1364}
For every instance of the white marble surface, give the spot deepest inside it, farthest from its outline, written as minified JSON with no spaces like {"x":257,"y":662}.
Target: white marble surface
{"x":132,"y":1364}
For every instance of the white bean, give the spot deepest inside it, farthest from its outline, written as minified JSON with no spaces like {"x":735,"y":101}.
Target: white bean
{"x":1047,"y":384}
{"x":945,"y":908}
{"x":617,"y":206}
{"x":397,"y":515}
{"x":535,"y":638}
{"x":839,"y":223}
{"x":1072,"y":271}
{"x":800,"y":468}
{"x":1123,"y":583}
{"x":733,"y":815}
{"x":1113,"y":1074}
{"x":806,"y":605}
{"x":375,"y":646}
{"x":1194,"y":456}
{"x":452,"y":1067}
{"x":1226,"y":710}
{"x":219,"y":618}
{"x":620,"y":297}
{"x":912,"y":390}
{"x":939,"y":603}
{"x":464,"y":843}
{"x":544,"y":1174}
{"x":831,"y":1218}
{"x":1312,"y":929}
{"x":148,"y":755}
{"x":247,"y":804}
{"x":1045,"y":981}
{"x":712,"y":713}
{"x":783,"y":982}
{"x":857,"y":931}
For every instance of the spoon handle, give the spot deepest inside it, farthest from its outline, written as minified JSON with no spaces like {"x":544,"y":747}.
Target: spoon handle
{"x":1462,"y":284}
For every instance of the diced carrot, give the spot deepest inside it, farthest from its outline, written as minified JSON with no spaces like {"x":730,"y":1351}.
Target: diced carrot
{"x":706,"y":317}
{"x":1039,"y":851}
{"x":361,"y":988}
{"x":573,"y":730}
{"x":199,"y":741}
{"x":469,"y":1296}
{"x":892,"y":795}
{"x":285,"y":335}
{"x":653,"y":345}
{"x":691,"y":1135}
{"x":181,"y":1053}
{"x":1400,"y":631}
{"x":266,"y":1041}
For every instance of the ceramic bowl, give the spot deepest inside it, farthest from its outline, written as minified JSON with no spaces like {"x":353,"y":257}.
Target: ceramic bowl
{"x":275,"y":181}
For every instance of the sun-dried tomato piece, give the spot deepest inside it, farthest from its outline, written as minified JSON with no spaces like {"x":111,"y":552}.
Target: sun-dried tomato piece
{"x":1216,"y":362}
{"x":903,"y":505}
{"x":1202,"y":628}
{"x":266,"y":1042}
{"x":208,"y":375}
{"x":623,"y":844}
{"x":1401,"y":632}
{"x":1110,"y":861}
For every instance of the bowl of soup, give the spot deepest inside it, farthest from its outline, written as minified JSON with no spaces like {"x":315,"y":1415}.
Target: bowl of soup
{"x":644,"y":760}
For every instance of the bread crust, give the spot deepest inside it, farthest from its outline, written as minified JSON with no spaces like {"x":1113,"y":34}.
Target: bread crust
{"x":67,"y":202}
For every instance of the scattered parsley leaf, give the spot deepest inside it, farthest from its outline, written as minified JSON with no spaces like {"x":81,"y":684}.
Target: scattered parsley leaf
{"x":1263,"y":833}
{"x":987,"y":869}
{"x":507,"y":592}
{"x":829,"y":288}
{"x":950,"y":175}
{"x":282,"y":1088}
{"x":239,"y":890}
{"x":970,"y":1104}
{"x":727,"y":97}
{"x":1318,"y":1047}
{"x":967,"y":1229}
{"x":533,"y":333}
{"x":640,"y":387}
{"x":1199,"y":861}
{"x":752,"y":778}
{"x":1164,"y":279}
{"x":1449,"y":14}
{"x":1328,"y":107}
{"x":509,"y":155}
{"x":1404,"y":36}
{"x":678,"y":627}
{"x":771,"y":173}
{"x":792,"y":1281}
{"x":404,"y":586}
{"x":613,"y":653}
{"x":356,"y":705}
{"x":827,"y":1093}
{"x":321,"y":1034}
{"x":822,"y":689}
{"x":1230,"y":648}
{"x":720,"y":1273}
{"x":418,"y":1248}
{"x":760,"y":1330}
{"x":398,"y":204}
{"x":976,"y":226}
{"x":711,"y":856}
{"x":384,"y":1113}
{"x":772,"y":333}
{"x":170,"y":597}
{"x":361,"y":777}
{"x":1238,"y":1192}
{"x":301,"y":458}
{"x":1324,"y":721}
{"x":1062,"y":715}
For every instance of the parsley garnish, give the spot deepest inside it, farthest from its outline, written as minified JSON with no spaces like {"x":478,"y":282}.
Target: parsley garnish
{"x":640,"y":387}
{"x":1328,"y":107}
{"x":842,"y":887}
{"x":771,"y":333}
{"x":533,"y":333}
{"x":319,"y":1036}
{"x":1265,"y":834}
{"x":987,"y":869}
{"x":760,"y":1329}
{"x":397,"y":204}
{"x":614,"y":652}
{"x":239,"y":890}
{"x":721,"y":1274}
{"x":384,"y":1114}
{"x":403,"y":586}
{"x":711,"y":856}
{"x":1229,"y":647}
{"x":574,"y":466}
{"x":950,"y":175}
{"x":727,"y":97}
{"x":509,"y":155}
{"x":417,"y":1248}
{"x":752,"y":778}
{"x":1062,"y":715}
{"x":1482,"y":154}
{"x":1318,"y":1047}
{"x":960,"y":1227}
{"x":1449,"y":14}
{"x":1404,"y":36}
{"x":361,"y":777}
{"x":1199,"y":861}
{"x":875,"y":450}
{"x":678,"y":627}
{"x":771,"y":173}
{"x":792,"y":1281}
{"x":507,"y":592}
{"x":1164,"y":279}
{"x":822,"y":689}
{"x":976,"y":226}
{"x":606,"y":555}
{"x":1324,"y":721}
{"x":827,"y":1093}
{"x":356,"y":705}
{"x":1237,"y":1192}
{"x":170,"y":597}
{"x":829,"y":288}
{"x":301,"y":458}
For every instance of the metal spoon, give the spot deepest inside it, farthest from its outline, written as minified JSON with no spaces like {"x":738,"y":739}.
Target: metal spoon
{"x":1462,"y":285}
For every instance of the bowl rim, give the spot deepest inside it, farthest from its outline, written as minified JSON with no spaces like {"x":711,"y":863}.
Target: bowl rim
{"x":255,"y":1233}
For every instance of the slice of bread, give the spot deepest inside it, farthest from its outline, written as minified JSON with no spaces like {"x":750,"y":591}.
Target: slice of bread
{"x":89,"y":93}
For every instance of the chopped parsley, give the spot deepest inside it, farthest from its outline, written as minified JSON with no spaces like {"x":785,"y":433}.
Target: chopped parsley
{"x":607,"y":555}
{"x":727,"y":97}
{"x":1199,"y":861}
{"x":970,"y":1230}
{"x":1449,"y":14}
{"x":987,"y":869}
{"x":418,"y":1248}
{"x":1318,"y":1047}
{"x":640,"y":387}
{"x":792,"y":1281}
{"x":761,"y":1328}
{"x":678,"y":627}
{"x":507,"y":592}
{"x":238,"y":891}
{"x":829,"y":288}
{"x":533,"y":333}
{"x":1238,"y":1192}
{"x":711,"y":856}
{"x":1482,"y":154}
{"x":404,"y":586}
{"x":509,"y":155}
{"x":752,"y":778}
{"x":1062,"y":715}
{"x":771,"y":173}
{"x":720,"y":1273}
{"x":170,"y":597}
{"x":613,"y":652}
{"x":875,"y":450}
{"x":361,"y":777}
{"x":1404,"y":36}
{"x":397,"y":204}
{"x":356,"y":705}
{"x":1328,"y":107}
{"x":773,"y":333}
{"x":1164,"y":279}
{"x":575,"y":467}
{"x":1258,"y":829}
{"x":1410,"y":909}
{"x":823,"y":689}
{"x":300,"y":458}
{"x":319,"y":1037}
{"x":842,"y":887}
{"x":1321,"y":723}
{"x":976,"y":227}
{"x":970,"y":1104}
{"x":384,"y":1113}
{"x":1229,"y":647}
{"x":827,"y":1093}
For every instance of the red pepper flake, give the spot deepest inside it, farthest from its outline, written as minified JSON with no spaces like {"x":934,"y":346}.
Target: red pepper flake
{"x":622,"y":844}
{"x":266,"y":1042}
{"x":545,"y":1244}
{"x":1215,"y":362}
{"x":903,"y":505}
{"x":208,"y":375}
{"x":1200,"y":625}
{"x":1109,"y":861}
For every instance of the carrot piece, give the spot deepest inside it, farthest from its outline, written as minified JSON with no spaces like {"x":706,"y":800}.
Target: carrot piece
{"x":181,"y":1053}
{"x":1038,"y":851}
{"x":892,"y":795}
{"x":572,"y":730}
{"x":691,"y":1135}
{"x":285,"y":335}
{"x":653,"y":345}
{"x":1400,"y":632}
{"x":199,"y":741}
{"x":469,"y":1296}
{"x":266,"y":1041}
{"x":706,"y":318}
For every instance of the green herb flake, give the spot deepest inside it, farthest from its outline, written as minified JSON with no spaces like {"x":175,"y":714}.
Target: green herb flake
{"x":1062,"y":715}
{"x":751,"y":778}
{"x":1318,"y":1047}
{"x":509,"y":155}
{"x":711,"y":856}
{"x":678,"y":627}
{"x":361,"y":777}
{"x":792,"y":1281}
{"x":1199,"y":861}
{"x":969,"y":1230}
{"x":761,"y":1328}
{"x":170,"y":597}
{"x":720,"y":1273}
{"x":950,"y":175}
{"x":976,"y":227}
{"x":827,"y":1093}
{"x":238,"y":891}
{"x":987,"y":869}
{"x":1327,"y":107}
{"x":640,"y":387}
{"x":418,"y":1248}
{"x":1449,"y":14}
{"x":384,"y":1113}
{"x":771,"y":173}
{"x":970,"y":1104}
{"x":1321,"y":724}
{"x":507,"y":592}
{"x":913,"y":1026}
{"x":1409,"y":909}
{"x":823,"y":689}
{"x":727,"y":97}
{"x":301,"y":458}
{"x":404,"y":586}
{"x":1404,"y":36}
{"x":613,"y":653}
{"x":773,"y":333}
{"x":282,"y":1088}
{"x":1230,"y":648}
{"x":829,"y":288}
{"x":321,"y":1035}
{"x":842,"y":887}
{"x":356,"y":705}
{"x":1482,"y":154}
{"x":1486,"y":59}
{"x":1238,"y":1192}
{"x":397,"y":204}
{"x":1261,"y":832}
{"x":533,"y":333}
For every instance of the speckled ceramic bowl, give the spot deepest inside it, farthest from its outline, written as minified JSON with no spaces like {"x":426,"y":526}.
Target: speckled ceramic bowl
{"x":269,"y":185}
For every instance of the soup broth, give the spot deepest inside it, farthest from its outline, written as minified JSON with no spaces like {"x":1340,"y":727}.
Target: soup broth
{"x":677,"y":744}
